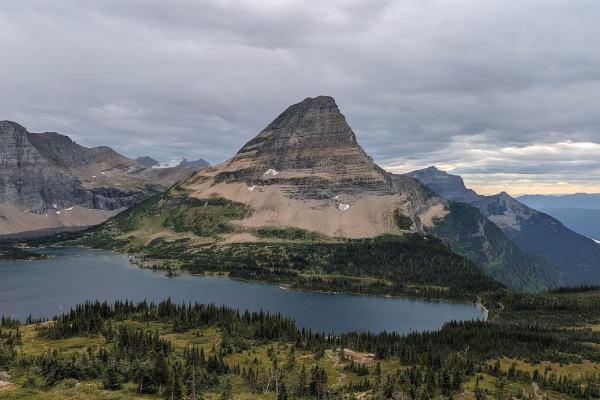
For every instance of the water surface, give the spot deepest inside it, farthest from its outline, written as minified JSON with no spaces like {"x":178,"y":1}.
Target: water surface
{"x":41,"y":288}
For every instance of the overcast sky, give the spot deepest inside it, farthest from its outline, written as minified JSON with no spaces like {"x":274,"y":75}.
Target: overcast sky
{"x":505,"y":93}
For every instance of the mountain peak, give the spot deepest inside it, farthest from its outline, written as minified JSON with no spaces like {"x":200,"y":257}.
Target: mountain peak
{"x":6,"y":124}
{"x":447,"y":185}
{"x":309,"y":141}
{"x":147,"y":161}
{"x":311,"y":123}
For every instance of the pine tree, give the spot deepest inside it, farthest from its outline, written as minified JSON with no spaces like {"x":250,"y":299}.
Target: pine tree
{"x":446,"y":382}
{"x":291,"y":359}
{"x":111,"y":379}
{"x":226,"y":393}
{"x":377,"y":374}
{"x":479,"y":393}
{"x":302,"y":383}
{"x":282,"y":392}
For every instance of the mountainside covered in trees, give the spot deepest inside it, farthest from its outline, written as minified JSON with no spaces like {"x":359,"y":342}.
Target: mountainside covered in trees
{"x":48,"y":181}
{"x":305,"y":178}
{"x":575,"y":257}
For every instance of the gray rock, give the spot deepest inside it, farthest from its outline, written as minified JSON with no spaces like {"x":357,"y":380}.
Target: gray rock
{"x":313,"y":142}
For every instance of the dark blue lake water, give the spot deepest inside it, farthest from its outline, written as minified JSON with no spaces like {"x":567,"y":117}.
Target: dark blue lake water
{"x":74,"y":275}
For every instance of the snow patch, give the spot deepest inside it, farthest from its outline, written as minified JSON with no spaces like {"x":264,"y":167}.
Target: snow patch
{"x":597,"y":241}
{"x":46,"y":215}
{"x":58,"y":212}
{"x":251,"y":188}
{"x":93,"y":176}
{"x":271,"y":172}
{"x":103,"y":173}
{"x":343,"y":207}
{"x":170,"y":164}
{"x":68,"y":209}
{"x":337,"y":197}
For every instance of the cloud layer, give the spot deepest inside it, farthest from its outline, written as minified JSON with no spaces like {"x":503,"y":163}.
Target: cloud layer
{"x":504,"y":93}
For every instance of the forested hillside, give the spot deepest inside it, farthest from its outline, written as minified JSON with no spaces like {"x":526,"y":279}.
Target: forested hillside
{"x":205,"y":351}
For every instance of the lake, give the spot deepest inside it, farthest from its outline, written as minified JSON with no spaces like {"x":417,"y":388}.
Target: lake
{"x":73,"y":275}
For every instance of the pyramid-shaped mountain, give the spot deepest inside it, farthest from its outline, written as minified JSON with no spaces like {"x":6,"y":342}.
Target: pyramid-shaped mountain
{"x":306,"y":171}
{"x":310,"y":149}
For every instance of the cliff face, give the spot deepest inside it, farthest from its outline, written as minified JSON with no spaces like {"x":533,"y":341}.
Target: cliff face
{"x":311,"y":151}
{"x":576,"y":258}
{"x":43,"y":173}
{"x":27,"y":179}
{"x":307,"y":171}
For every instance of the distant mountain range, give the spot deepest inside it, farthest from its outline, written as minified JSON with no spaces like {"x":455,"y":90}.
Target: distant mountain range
{"x":306,"y":178}
{"x":578,"y":200}
{"x":579,"y":212}
{"x":575,"y":257}
{"x":49,"y":181}
{"x":176,"y":162}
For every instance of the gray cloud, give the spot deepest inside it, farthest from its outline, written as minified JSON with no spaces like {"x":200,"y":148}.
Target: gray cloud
{"x":476,"y":87}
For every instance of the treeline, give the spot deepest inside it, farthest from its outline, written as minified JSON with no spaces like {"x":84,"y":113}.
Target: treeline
{"x":581,"y":386}
{"x":438,"y":362}
{"x":563,"y":307}
{"x":9,"y":250}
{"x":405,"y":262}
{"x":575,"y":289}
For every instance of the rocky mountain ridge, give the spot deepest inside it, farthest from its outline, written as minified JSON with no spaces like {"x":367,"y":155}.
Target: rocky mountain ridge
{"x":47,"y":180}
{"x":575,"y":257}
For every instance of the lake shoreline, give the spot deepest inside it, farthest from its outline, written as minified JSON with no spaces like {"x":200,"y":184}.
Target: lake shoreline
{"x":76,"y":275}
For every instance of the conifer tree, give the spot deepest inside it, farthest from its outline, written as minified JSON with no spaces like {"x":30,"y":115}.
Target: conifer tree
{"x":111,"y":379}
{"x":226,"y":393}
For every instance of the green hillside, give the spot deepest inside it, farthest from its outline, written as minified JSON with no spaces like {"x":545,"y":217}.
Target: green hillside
{"x":472,"y":235}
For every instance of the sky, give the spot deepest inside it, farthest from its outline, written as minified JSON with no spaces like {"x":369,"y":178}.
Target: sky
{"x":505,"y":93}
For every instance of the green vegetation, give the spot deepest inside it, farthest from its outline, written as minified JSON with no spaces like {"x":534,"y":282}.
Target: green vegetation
{"x":411,"y":265}
{"x":9,"y":250}
{"x":204,"y":351}
{"x":470,"y":234}
{"x":293,"y":234}
{"x":402,"y":221}
{"x":563,"y":307}
{"x":177,"y":211}
{"x":203,"y":217}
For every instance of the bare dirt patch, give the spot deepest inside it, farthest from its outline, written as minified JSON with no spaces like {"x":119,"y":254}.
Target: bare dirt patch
{"x":362,"y":358}
{"x":434,"y":212}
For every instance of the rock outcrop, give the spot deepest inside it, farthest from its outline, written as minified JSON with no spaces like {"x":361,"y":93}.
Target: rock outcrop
{"x":311,"y":152}
{"x":147,"y":161}
{"x":42,"y":173}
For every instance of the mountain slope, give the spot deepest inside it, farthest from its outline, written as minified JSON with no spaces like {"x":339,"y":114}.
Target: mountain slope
{"x":305,"y":177}
{"x":575,"y":257}
{"x":579,"y":212}
{"x":584,"y":221}
{"x":47,"y":180}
